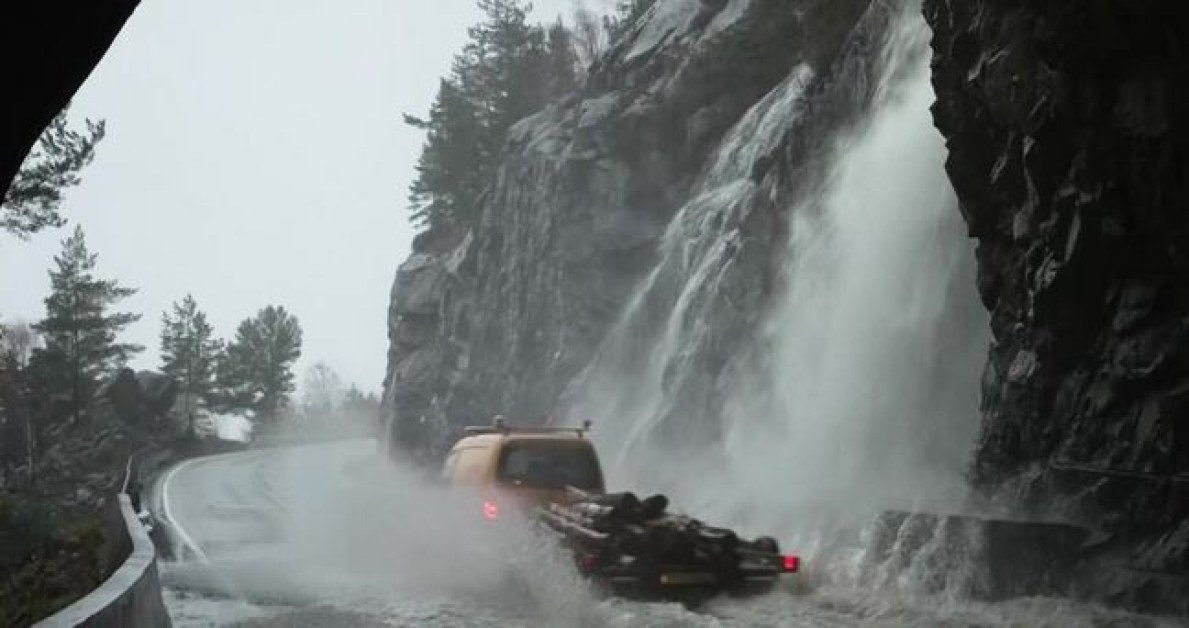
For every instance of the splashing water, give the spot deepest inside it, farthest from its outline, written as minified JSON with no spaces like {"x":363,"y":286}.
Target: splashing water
{"x":858,"y":390}
{"x":662,"y":324}
{"x":870,"y":395}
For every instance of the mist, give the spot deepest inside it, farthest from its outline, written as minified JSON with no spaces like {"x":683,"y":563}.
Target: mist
{"x":256,"y":155}
{"x":353,"y":531}
{"x":722,"y":232}
{"x":859,"y":388}
{"x":878,"y":343}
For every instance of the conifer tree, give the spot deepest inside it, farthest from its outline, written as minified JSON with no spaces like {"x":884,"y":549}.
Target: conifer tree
{"x":188,"y":353}
{"x":450,"y":170}
{"x":259,"y":362}
{"x":562,"y":61}
{"x":505,"y":72}
{"x":16,"y":421}
{"x":32,"y":200}
{"x":502,"y":67}
{"x":79,"y":329}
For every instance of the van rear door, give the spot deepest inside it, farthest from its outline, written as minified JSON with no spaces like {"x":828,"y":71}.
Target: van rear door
{"x":549,"y":465}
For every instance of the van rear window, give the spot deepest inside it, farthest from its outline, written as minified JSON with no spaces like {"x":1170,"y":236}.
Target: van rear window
{"x":550,"y":465}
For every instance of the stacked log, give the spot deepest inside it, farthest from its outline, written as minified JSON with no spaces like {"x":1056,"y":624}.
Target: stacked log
{"x":618,"y":526}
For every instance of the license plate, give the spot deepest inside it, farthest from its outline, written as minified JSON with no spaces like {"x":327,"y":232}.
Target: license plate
{"x":686,"y":578}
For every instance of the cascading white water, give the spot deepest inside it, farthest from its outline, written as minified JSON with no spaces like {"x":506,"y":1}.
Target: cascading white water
{"x":862,"y":388}
{"x":624,"y":387}
{"x":870,"y":397}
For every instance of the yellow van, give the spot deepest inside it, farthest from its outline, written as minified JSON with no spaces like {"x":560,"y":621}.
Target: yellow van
{"x":523,"y":467}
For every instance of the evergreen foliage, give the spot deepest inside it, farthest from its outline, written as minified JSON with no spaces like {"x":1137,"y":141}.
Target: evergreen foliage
{"x":32,"y":201}
{"x":561,"y":61}
{"x":17,"y":341}
{"x":16,"y":421}
{"x":258,"y":365}
{"x":188,"y":353}
{"x":451,"y":170}
{"x":507,"y":70}
{"x":79,"y":329}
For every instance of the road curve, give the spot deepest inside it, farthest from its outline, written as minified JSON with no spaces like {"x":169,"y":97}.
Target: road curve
{"x":332,"y":535}
{"x":329,"y":535}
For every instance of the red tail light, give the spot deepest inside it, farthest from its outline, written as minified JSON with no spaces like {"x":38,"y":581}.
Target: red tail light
{"x":790,"y":563}
{"x":491,"y":510}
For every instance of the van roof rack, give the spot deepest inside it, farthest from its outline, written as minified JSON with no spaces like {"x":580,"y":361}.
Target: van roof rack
{"x":499,"y":426}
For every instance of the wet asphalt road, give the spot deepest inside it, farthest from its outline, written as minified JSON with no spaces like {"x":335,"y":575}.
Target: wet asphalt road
{"x":333,"y":535}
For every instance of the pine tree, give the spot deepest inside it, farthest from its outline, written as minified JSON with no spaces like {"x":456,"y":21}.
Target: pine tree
{"x":451,"y":170}
{"x":260,"y":360}
{"x":503,"y":67}
{"x":79,"y":330}
{"x":188,"y":353}
{"x":562,"y":61}
{"x":31,"y":202}
{"x":507,"y":70}
{"x":232,"y":391}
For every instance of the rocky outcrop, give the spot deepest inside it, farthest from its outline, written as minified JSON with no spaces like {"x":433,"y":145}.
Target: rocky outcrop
{"x":501,"y":320}
{"x":633,"y":241}
{"x":1068,"y":130}
{"x":985,"y":559}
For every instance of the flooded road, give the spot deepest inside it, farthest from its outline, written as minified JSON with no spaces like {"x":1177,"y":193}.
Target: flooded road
{"x":334,"y":535}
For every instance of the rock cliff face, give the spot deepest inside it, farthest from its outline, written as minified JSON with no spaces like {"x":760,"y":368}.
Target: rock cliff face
{"x":640,"y":254}
{"x":1068,"y":133}
{"x":502,"y":320}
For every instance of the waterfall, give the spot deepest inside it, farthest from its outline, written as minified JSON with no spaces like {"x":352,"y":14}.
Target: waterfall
{"x":869,"y":395}
{"x":657,"y":337}
{"x":856,"y":387}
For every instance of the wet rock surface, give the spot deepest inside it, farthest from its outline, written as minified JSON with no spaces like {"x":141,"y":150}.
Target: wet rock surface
{"x":499,"y":320}
{"x":987,"y":559}
{"x":1068,"y":131}
{"x":1068,"y":151}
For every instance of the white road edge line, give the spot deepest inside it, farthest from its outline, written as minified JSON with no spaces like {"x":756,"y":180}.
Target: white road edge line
{"x":185,"y":537}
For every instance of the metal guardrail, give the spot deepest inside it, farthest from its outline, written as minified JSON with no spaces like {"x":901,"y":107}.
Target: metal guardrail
{"x":132,"y":595}
{"x":128,"y":470}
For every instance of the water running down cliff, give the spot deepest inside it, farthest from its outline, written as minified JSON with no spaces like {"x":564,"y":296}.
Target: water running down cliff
{"x":734,"y":248}
{"x":876,"y":346}
{"x":860,"y":387}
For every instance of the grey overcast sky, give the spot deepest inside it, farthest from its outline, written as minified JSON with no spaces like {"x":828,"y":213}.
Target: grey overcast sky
{"x":255,"y":155}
